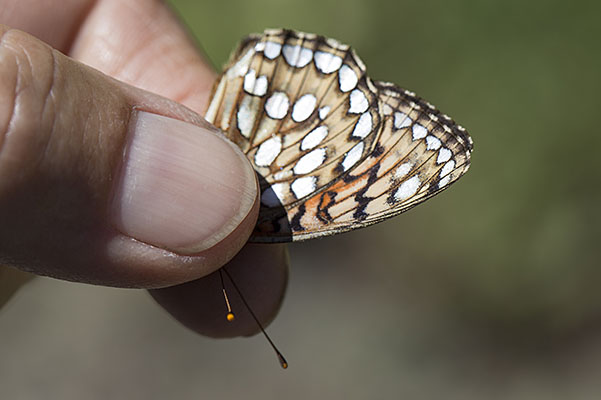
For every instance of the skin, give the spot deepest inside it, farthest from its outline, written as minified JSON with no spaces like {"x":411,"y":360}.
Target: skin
{"x":124,"y":55}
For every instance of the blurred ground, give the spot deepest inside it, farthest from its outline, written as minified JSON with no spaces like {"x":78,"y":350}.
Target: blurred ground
{"x":489,"y":290}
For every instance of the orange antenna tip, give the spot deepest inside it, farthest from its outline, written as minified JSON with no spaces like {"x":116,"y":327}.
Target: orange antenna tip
{"x":282,"y":360}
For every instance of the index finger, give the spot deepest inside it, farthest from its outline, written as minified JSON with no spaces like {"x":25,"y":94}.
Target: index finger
{"x":53,"y":22}
{"x":140,"y":42}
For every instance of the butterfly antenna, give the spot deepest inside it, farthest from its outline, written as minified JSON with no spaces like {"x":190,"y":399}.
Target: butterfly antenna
{"x":230,"y":315}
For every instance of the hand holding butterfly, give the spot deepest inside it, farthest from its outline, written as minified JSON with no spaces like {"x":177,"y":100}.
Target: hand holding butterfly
{"x":106,"y":178}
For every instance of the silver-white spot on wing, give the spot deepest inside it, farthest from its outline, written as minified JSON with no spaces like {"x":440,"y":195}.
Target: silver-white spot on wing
{"x":407,"y":188}
{"x":272,"y":50}
{"x":313,"y":138}
{"x":347,"y":78}
{"x":277,"y":105}
{"x":324,"y":111}
{"x":419,"y":132}
{"x":433,"y":143}
{"x":268,"y":151}
{"x":283,"y":174}
{"x":327,"y":62}
{"x":401,"y":120}
{"x":240,"y":68}
{"x":403,"y":170}
{"x":448,"y":167}
{"x":358,"y":102}
{"x":303,"y":107}
{"x":310,"y":161}
{"x":254,"y":85}
{"x":444,"y":181}
{"x":246,"y":116}
{"x":363,"y":126}
{"x":297,"y":56}
{"x":353,"y":156}
{"x":304,"y":186}
{"x":444,"y":155}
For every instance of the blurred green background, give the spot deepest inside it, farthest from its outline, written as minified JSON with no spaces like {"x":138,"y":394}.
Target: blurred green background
{"x":490,"y":290}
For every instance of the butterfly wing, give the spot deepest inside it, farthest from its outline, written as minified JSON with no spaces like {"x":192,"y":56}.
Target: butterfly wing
{"x":334,"y":150}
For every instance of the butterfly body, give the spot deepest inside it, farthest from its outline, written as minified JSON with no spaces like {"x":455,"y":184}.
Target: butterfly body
{"x":333,"y":149}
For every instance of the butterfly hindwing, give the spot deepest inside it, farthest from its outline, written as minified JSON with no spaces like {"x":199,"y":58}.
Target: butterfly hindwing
{"x":334,"y":150}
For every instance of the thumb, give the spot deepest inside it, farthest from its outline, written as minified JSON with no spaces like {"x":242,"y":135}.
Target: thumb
{"x":104,"y":183}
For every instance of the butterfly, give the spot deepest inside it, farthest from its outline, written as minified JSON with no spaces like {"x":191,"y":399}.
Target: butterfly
{"x":333,"y":150}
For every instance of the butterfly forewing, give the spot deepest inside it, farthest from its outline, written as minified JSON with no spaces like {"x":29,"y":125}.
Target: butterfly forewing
{"x":334,"y":150}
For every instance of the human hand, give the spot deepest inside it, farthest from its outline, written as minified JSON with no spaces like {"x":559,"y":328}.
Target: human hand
{"x":104,"y":181}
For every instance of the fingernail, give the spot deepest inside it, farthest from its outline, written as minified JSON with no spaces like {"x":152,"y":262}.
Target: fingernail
{"x":182,"y":187}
